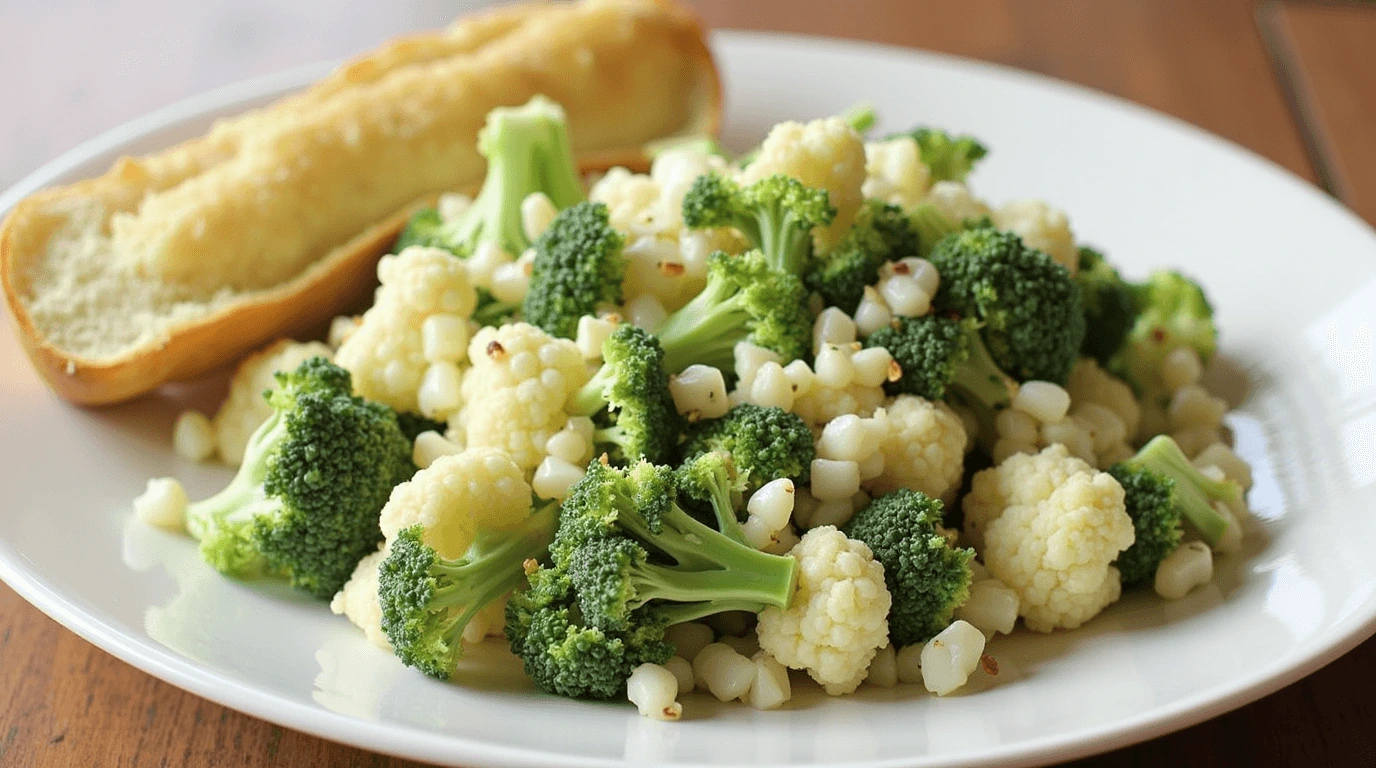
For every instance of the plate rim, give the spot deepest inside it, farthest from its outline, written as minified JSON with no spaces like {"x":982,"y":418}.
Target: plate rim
{"x":411,"y":742}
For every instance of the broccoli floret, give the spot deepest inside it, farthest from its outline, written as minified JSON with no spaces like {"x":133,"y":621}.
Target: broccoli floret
{"x":926,"y":576}
{"x":427,"y":600}
{"x":881,"y":233}
{"x":1028,"y":305}
{"x":1161,"y":489}
{"x":933,"y":226}
{"x":1173,"y":312}
{"x":764,"y":443}
{"x":578,"y":266}
{"x":630,"y":396}
{"x":711,"y":479}
{"x":412,"y":424}
{"x":424,"y":228}
{"x":744,"y":300}
{"x":776,"y":214}
{"x":315,"y":475}
{"x":1110,"y":305}
{"x":940,"y":357}
{"x":950,"y":158}
{"x":626,"y":563}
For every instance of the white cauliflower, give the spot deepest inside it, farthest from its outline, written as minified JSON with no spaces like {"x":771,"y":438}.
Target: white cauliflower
{"x":955,"y":201}
{"x":839,"y":615}
{"x":514,"y":393}
{"x":1049,"y":526}
{"x":452,"y":499}
{"x":924,"y":449}
{"x":662,"y":258}
{"x":823,"y":154}
{"x":358,"y":600}
{"x":1042,"y":227}
{"x":844,"y":378}
{"x":387,"y":352}
{"x":1089,"y":383}
{"x":895,"y":173}
{"x":245,"y":409}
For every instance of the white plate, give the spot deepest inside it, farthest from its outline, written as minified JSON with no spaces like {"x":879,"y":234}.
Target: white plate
{"x":1291,"y":274}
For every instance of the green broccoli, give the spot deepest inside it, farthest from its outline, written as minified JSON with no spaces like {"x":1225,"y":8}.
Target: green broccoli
{"x":527,"y":149}
{"x":626,"y":563}
{"x":1161,"y":489}
{"x":933,"y":226}
{"x":926,"y":576}
{"x":940,"y":357}
{"x":776,"y":214}
{"x":881,"y":233}
{"x":1028,"y":305}
{"x":711,"y":479}
{"x":306,"y":499}
{"x":427,"y":600}
{"x":1173,"y":312}
{"x":630,"y":396}
{"x":1110,"y":305}
{"x":764,"y":444}
{"x":744,"y":300}
{"x":950,"y":158}
{"x":578,"y":266}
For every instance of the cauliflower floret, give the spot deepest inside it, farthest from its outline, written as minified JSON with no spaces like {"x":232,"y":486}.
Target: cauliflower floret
{"x":839,"y":615}
{"x":844,"y":378}
{"x":895,"y":173}
{"x":1042,"y":227}
{"x":924,"y":449}
{"x":823,"y":154}
{"x":455,"y":496}
{"x":515,"y":392}
{"x":822,"y":403}
{"x":955,"y":201}
{"x":662,"y":258}
{"x":358,"y":600}
{"x":386,"y":354}
{"x":245,"y":409}
{"x":1049,"y":526}
{"x":1089,"y":383}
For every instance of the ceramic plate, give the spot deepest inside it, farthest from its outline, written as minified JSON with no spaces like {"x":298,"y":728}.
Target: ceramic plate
{"x":1291,"y":273}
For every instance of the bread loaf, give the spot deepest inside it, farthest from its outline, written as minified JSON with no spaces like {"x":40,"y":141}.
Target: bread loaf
{"x":177,"y":262}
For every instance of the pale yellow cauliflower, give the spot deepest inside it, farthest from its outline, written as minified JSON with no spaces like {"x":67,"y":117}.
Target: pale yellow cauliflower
{"x":822,"y":403}
{"x":1049,"y":526}
{"x":895,"y":173}
{"x":452,"y":498}
{"x":839,"y":615}
{"x":245,"y":409}
{"x":358,"y":601}
{"x":823,"y":154}
{"x":1089,"y":383}
{"x":387,"y":353}
{"x":955,"y":201}
{"x":1042,"y":227}
{"x":514,"y":393}
{"x":924,"y":449}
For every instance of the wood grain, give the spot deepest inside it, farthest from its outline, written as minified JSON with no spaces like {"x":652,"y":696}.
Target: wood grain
{"x":65,"y":703}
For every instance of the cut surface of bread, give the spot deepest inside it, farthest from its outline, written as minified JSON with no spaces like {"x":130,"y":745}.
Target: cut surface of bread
{"x":176,"y":262}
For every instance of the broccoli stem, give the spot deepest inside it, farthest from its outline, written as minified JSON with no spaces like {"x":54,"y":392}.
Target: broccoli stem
{"x":768,"y":584}
{"x":681,"y":613}
{"x":592,"y":397}
{"x":223,"y":522}
{"x":697,"y":547}
{"x":493,"y":566}
{"x":705,"y":331}
{"x":1194,"y":493}
{"x":979,"y":377}
{"x":727,"y":521}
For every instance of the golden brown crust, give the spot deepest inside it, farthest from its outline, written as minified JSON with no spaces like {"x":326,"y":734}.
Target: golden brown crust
{"x":345,"y":274}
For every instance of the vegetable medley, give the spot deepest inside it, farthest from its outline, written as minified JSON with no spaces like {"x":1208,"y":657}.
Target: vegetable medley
{"x":815,"y":408}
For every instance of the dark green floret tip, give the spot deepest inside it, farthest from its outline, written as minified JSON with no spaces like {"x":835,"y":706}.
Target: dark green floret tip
{"x":926,"y":576}
{"x":630,"y":398}
{"x":764,"y":444}
{"x":881,"y":233}
{"x":776,"y":214}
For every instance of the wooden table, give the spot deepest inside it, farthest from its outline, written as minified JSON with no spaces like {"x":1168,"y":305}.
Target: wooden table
{"x":1292,"y":81}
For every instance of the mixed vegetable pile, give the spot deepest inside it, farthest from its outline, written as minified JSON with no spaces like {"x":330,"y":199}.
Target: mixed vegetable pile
{"x":816,"y":408}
